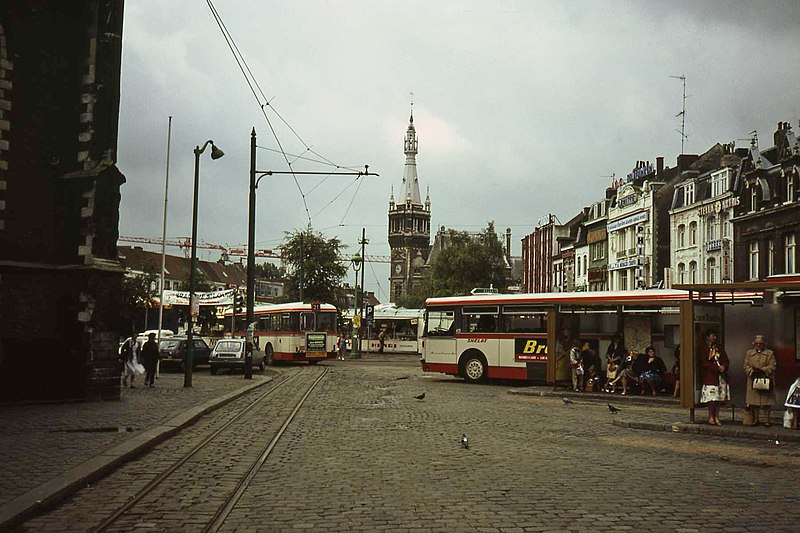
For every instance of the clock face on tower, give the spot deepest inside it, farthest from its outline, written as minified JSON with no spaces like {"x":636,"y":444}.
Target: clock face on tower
{"x":398,"y":268}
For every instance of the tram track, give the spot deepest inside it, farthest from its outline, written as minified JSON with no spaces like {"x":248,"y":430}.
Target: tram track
{"x":305,"y":381}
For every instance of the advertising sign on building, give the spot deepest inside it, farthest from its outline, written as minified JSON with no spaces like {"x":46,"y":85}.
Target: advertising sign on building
{"x":528,"y":349}
{"x":628,"y":221}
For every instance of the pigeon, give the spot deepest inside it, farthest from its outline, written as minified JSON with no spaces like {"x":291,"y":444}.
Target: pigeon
{"x":566,"y":400}
{"x":614,"y":410}
{"x":464,"y":441}
{"x":401,"y":377}
{"x":420,"y":397}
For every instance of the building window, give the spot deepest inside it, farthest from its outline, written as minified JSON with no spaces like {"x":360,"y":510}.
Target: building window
{"x":790,"y":195}
{"x":754,"y":260}
{"x":790,"y":260}
{"x":692,"y":233}
{"x":711,"y":270}
{"x":719,"y":183}
{"x":585,"y":264}
{"x":681,"y":273}
{"x":711,"y":228}
{"x":770,"y":257}
{"x":623,"y":280}
{"x":688,"y":194}
{"x":724,"y":225}
{"x":693,"y":272}
{"x":681,"y":236}
{"x":753,"y":199}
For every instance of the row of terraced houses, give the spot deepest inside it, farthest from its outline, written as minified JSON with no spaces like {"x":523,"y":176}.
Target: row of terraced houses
{"x":729,"y":214}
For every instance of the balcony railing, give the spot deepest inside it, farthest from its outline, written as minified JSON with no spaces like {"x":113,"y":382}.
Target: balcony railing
{"x":715,"y":244}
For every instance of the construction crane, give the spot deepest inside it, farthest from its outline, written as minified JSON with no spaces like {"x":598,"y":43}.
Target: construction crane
{"x":185,"y":244}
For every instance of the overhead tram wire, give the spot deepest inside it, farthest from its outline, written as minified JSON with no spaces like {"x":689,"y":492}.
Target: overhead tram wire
{"x":262,"y":101}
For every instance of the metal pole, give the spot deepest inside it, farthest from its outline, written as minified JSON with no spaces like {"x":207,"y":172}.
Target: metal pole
{"x":251,"y":254}
{"x":363,"y":269}
{"x":188,"y":360}
{"x":353,"y":347}
{"x":164,"y":246}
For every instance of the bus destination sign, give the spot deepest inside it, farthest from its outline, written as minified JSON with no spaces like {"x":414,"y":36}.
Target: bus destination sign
{"x":316,"y":345}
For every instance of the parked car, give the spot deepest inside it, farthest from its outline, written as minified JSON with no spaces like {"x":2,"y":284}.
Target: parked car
{"x":173,"y":351}
{"x":229,"y":353}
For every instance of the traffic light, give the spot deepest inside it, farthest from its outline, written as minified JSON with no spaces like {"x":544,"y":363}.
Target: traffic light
{"x":370,"y":312}
{"x":238,"y":302}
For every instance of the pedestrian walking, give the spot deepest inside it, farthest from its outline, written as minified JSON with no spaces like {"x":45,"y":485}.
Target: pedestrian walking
{"x":341,"y":346}
{"x":713,"y":376}
{"x":382,"y":339}
{"x":759,"y":366}
{"x":150,"y":356}
{"x":130,"y":363}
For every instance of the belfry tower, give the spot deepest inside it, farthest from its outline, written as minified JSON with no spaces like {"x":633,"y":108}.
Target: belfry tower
{"x":409,"y":224}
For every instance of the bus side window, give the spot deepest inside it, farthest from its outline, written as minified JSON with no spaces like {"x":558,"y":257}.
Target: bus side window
{"x":441,"y":323}
{"x":486,"y":324}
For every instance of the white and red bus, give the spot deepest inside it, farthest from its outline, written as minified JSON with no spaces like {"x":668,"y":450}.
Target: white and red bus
{"x":508,"y":336}
{"x":298,"y":331}
{"x":399,"y":328}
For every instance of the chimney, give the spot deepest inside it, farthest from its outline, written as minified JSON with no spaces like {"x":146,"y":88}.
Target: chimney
{"x":508,"y":245}
{"x":659,"y":167}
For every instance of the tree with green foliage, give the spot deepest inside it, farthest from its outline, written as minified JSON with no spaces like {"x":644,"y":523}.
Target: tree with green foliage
{"x":314,"y":259}
{"x":270,"y":272}
{"x":466,"y":262}
{"x":136,"y":297}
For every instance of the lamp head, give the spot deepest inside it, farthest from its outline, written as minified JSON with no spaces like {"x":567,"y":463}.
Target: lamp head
{"x":216,"y":153}
{"x":356,"y":260}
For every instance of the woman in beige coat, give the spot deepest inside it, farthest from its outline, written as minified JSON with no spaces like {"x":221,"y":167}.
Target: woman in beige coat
{"x":759,"y":362}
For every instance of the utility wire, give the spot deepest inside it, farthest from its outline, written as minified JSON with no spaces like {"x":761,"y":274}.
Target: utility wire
{"x":263,"y":102}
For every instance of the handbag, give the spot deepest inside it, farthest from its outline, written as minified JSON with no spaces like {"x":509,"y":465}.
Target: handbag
{"x":761,"y":383}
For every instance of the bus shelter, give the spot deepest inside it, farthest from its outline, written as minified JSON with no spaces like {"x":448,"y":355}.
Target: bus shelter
{"x":641,"y":318}
{"x":737,"y":312}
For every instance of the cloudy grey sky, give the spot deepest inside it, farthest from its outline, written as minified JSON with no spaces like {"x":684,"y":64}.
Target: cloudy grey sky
{"x":522,"y":108}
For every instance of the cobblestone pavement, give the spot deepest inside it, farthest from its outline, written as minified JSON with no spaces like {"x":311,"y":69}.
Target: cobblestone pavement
{"x":367,"y":455}
{"x":40,"y":441}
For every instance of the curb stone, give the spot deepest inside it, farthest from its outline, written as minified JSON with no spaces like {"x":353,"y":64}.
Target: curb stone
{"x":59,"y":488}
{"x":700,"y":429}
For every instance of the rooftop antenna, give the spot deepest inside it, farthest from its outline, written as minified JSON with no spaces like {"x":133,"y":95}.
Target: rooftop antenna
{"x":682,"y":114}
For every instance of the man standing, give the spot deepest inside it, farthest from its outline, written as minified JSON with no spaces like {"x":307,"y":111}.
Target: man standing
{"x":150,"y":356}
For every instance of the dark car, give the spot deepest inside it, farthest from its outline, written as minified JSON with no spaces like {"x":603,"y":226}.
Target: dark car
{"x":229,"y":353}
{"x":173,"y":352}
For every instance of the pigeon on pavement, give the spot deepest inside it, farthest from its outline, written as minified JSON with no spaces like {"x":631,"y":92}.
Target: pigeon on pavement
{"x":464,"y":441}
{"x":420,"y":397}
{"x":566,"y":400}
{"x":614,"y":410}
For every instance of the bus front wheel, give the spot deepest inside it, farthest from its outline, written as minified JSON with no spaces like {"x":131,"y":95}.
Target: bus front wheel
{"x":474,"y":368}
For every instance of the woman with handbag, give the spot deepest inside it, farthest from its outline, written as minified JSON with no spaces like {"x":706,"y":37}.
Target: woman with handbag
{"x":759,"y":366}
{"x":713,"y":376}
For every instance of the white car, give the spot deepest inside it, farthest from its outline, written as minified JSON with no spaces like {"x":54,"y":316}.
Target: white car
{"x":229,"y":353}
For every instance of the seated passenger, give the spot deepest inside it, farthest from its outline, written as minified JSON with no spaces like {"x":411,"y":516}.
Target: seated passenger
{"x":653,"y":369}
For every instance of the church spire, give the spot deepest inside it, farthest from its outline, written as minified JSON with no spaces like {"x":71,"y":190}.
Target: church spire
{"x":410,"y":180}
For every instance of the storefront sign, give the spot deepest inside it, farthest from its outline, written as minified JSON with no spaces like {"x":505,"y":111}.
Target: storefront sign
{"x":719,"y":205}
{"x":643,"y":168}
{"x":628,"y":263}
{"x":628,"y":221}
{"x":628,"y":200}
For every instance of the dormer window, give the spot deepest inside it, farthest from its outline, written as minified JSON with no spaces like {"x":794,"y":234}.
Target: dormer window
{"x":688,"y":194}
{"x":790,"y":192}
{"x":719,"y":182}
{"x":754,"y":198}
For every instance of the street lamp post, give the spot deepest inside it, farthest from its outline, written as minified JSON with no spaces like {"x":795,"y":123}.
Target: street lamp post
{"x":188,"y":361}
{"x":355,"y":348}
